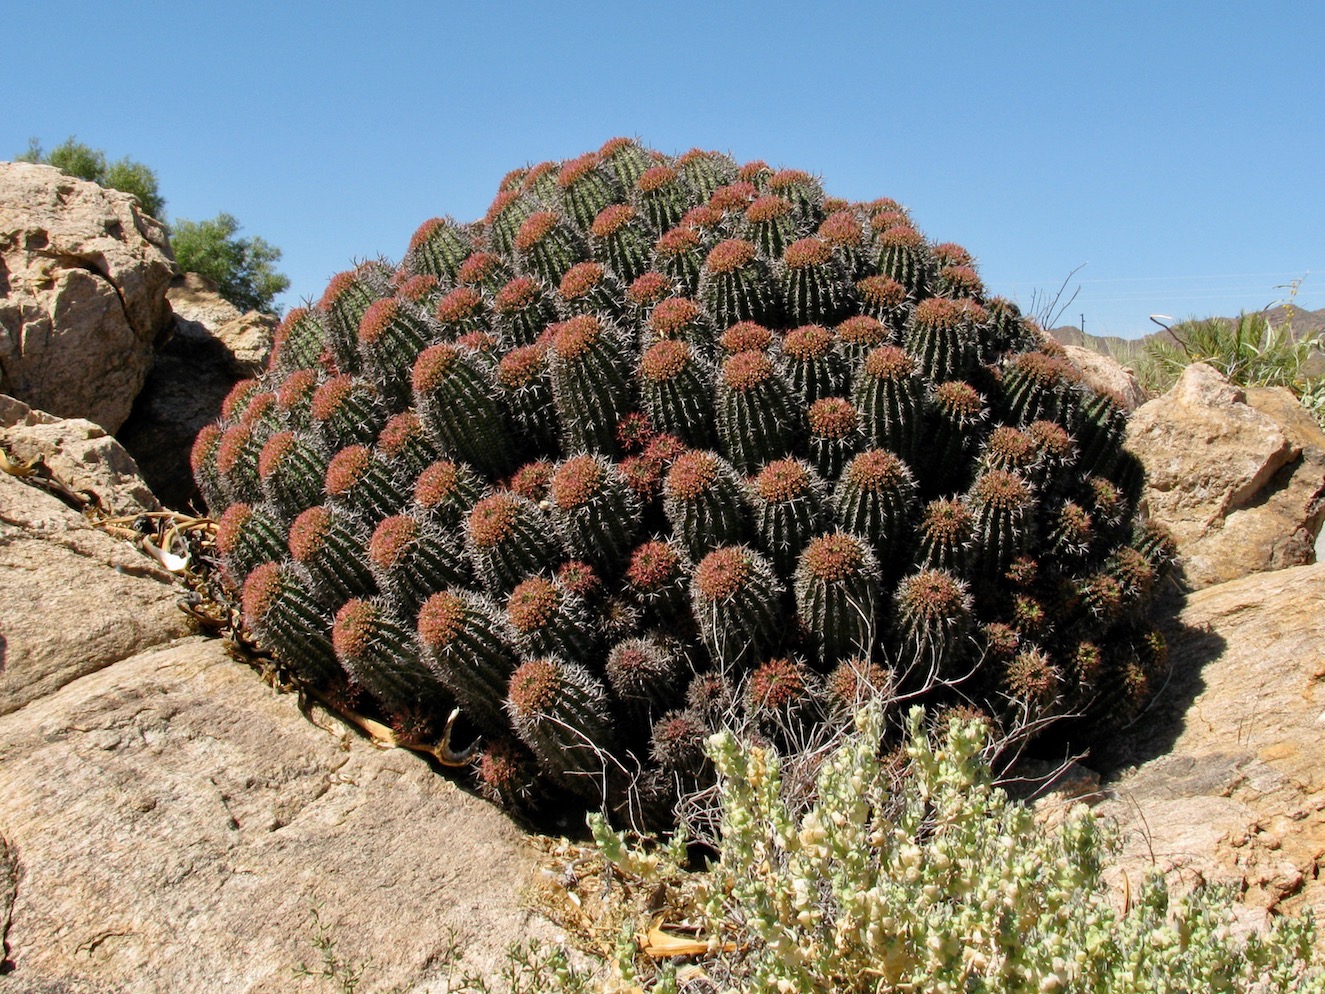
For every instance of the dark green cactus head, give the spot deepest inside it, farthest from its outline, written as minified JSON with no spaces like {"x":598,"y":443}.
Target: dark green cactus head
{"x":735,"y":597}
{"x":510,"y":538}
{"x":855,"y":682}
{"x":648,"y":674}
{"x":464,"y":640}
{"x":549,"y":620}
{"x":246,"y":537}
{"x":933,"y":612}
{"x":562,"y":713}
{"x":279,"y":608}
{"x":677,"y":742}
{"x":657,"y":423}
{"x":658,"y":576}
{"x":596,"y":514}
{"x":377,"y":649}
{"x":759,"y":416}
{"x":735,"y":285}
{"x":783,"y":696}
{"x":547,"y":245}
{"x":291,"y":469}
{"x":589,"y":287}
{"x":411,"y":557}
{"x":329,"y":543}
{"x":790,"y":505}
{"x":838,"y":588}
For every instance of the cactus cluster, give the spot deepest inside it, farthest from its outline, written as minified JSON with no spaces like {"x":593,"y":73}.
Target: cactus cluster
{"x":664,"y":442}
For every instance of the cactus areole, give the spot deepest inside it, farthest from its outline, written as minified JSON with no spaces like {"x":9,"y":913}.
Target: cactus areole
{"x":691,"y":413}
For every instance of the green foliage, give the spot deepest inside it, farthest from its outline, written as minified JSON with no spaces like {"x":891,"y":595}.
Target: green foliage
{"x":242,"y":268}
{"x":647,"y":430}
{"x":136,"y":178}
{"x":77,"y":159}
{"x":912,"y":871}
{"x":342,"y":975}
{"x":1249,"y":351}
{"x":1313,"y":398}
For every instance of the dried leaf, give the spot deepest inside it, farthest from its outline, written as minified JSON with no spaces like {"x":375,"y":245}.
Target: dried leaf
{"x":172,"y":562}
{"x":661,"y":945}
{"x":19,"y":469}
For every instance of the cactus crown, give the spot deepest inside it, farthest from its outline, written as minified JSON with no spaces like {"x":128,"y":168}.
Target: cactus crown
{"x":651,"y":394}
{"x":729,"y":256}
{"x":783,"y":480}
{"x":832,"y":417}
{"x":653,"y":565}
{"x":492,"y":519}
{"x":832,"y":557}
{"x":722,"y":573}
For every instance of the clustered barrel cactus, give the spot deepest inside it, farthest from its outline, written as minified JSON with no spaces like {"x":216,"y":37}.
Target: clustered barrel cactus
{"x":665,"y":442}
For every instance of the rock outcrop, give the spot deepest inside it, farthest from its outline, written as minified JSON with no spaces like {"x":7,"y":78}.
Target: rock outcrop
{"x":1237,"y":475}
{"x":78,"y":454}
{"x":202,"y":314}
{"x":1228,"y":777}
{"x":213,"y":346}
{"x":1106,"y":374}
{"x":175,"y":823}
{"x":170,"y":823}
{"x":73,"y":599}
{"x":83,"y":278}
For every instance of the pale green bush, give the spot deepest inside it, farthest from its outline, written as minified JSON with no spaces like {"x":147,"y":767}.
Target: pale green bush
{"x":914,"y":872}
{"x":1313,"y":398}
{"x":1250,"y":351}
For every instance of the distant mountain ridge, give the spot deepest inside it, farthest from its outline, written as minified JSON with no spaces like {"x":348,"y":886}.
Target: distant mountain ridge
{"x":1304,"y":323}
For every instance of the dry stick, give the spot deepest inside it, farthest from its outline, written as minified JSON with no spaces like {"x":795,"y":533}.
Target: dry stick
{"x":19,"y":469}
{"x":36,"y":473}
{"x":383,"y":736}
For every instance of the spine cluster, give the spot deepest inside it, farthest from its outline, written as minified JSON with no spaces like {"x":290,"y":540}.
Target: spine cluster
{"x":665,"y":442}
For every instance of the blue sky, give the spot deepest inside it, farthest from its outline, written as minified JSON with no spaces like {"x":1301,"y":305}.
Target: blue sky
{"x":1175,"y":149}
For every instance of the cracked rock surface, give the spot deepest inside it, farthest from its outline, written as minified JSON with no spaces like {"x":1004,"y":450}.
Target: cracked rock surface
{"x":83,"y":279}
{"x":1237,"y":475}
{"x":1224,"y":779}
{"x":80,"y":454}
{"x":212,"y":347}
{"x":168,"y":822}
{"x":174,"y":821}
{"x":72,"y":598}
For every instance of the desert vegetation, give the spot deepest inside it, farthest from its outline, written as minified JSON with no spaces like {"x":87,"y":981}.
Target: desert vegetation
{"x":667,"y":491}
{"x":243,"y":269}
{"x":1249,"y":350}
{"x":667,"y":445}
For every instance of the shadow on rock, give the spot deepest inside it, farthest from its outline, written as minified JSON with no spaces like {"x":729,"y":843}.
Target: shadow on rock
{"x":1074,"y":758}
{"x":1156,"y":730}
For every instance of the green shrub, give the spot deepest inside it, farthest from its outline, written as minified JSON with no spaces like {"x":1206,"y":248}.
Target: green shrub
{"x":911,"y":871}
{"x":1313,"y":398}
{"x":1248,"y":350}
{"x":77,"y":159}
{"x":242,"y":268}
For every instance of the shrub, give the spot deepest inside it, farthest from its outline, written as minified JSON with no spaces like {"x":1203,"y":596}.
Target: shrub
{"x":780,"y":438}
{"x":77,"y":159}
{"x":242,"y":268}
{"x":911,"y":871}
{"x":1249,"y":351}
{"x":1313,"y":398}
